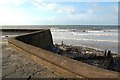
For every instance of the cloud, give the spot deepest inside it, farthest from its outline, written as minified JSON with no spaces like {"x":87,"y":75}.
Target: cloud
{"x":55,"y":7}
{"x":12,"y":13}
{"x":84,"y":19}
{"x":10,"y":16}
{"x":68,"y":10}
{"x":39,"y":12}
{"x":12,"y":2}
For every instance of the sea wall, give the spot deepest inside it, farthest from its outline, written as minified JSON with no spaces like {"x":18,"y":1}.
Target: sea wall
{"x":35,"y":43}
{"x":19,"y":30}
{"x":41,"y":39}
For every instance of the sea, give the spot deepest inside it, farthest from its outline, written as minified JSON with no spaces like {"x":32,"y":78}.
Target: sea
{"x":102,"y":37}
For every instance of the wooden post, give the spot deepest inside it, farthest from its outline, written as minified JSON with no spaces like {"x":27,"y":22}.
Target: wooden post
{"x":105,"y":54}
{"x":109,"y":55}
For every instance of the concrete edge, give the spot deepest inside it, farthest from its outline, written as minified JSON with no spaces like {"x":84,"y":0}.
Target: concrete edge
{"x":32,"y":32}
{"x":50,"y":66}
{"x":75,"y":67}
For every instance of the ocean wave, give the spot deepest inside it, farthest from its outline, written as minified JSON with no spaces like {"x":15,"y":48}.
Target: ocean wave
{"x":94,"y":31}
{"x":78,"y":39}
{"x":59,"y":30}
{"x":112,"y":30}
{"x":83,"y":34}
{"x":97,"y":40}
{"x":84,"y":30}
{"x":93,"y":34}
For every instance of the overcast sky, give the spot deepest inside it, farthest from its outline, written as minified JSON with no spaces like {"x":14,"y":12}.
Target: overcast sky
{"x":37,"y":12}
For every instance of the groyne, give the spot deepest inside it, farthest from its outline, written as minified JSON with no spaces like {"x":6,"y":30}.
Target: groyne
{"x":38,"y":44}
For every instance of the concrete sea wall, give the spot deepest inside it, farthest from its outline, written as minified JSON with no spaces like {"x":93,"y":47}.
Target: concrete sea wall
{"x":41,"y":39}
{"x":18,"y":30}
{"x":35,"y":43}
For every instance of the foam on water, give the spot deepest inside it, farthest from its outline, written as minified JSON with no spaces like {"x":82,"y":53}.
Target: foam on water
{"x":91,"y":35}
{"x":108,"y":37}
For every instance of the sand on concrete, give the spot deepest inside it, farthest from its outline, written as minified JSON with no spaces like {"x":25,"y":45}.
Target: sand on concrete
{"x":17,"y":65}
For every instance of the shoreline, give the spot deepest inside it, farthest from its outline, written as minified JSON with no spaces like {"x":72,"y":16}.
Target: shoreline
{"x":90,"y":56}
{"x":91,"y":46}
{"x":94,"y":62}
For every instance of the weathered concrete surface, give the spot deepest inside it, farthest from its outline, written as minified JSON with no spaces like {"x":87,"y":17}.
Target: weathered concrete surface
{"x":41,"y":39}
{"x":17,"y":65}
{"x":19,"y":30}
{"x":9,"y":32}
{"x":77,"y":69}
{"x":47,"y":64}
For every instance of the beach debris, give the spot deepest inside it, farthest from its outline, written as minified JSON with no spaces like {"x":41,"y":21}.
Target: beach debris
{"x":103,"y":59}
